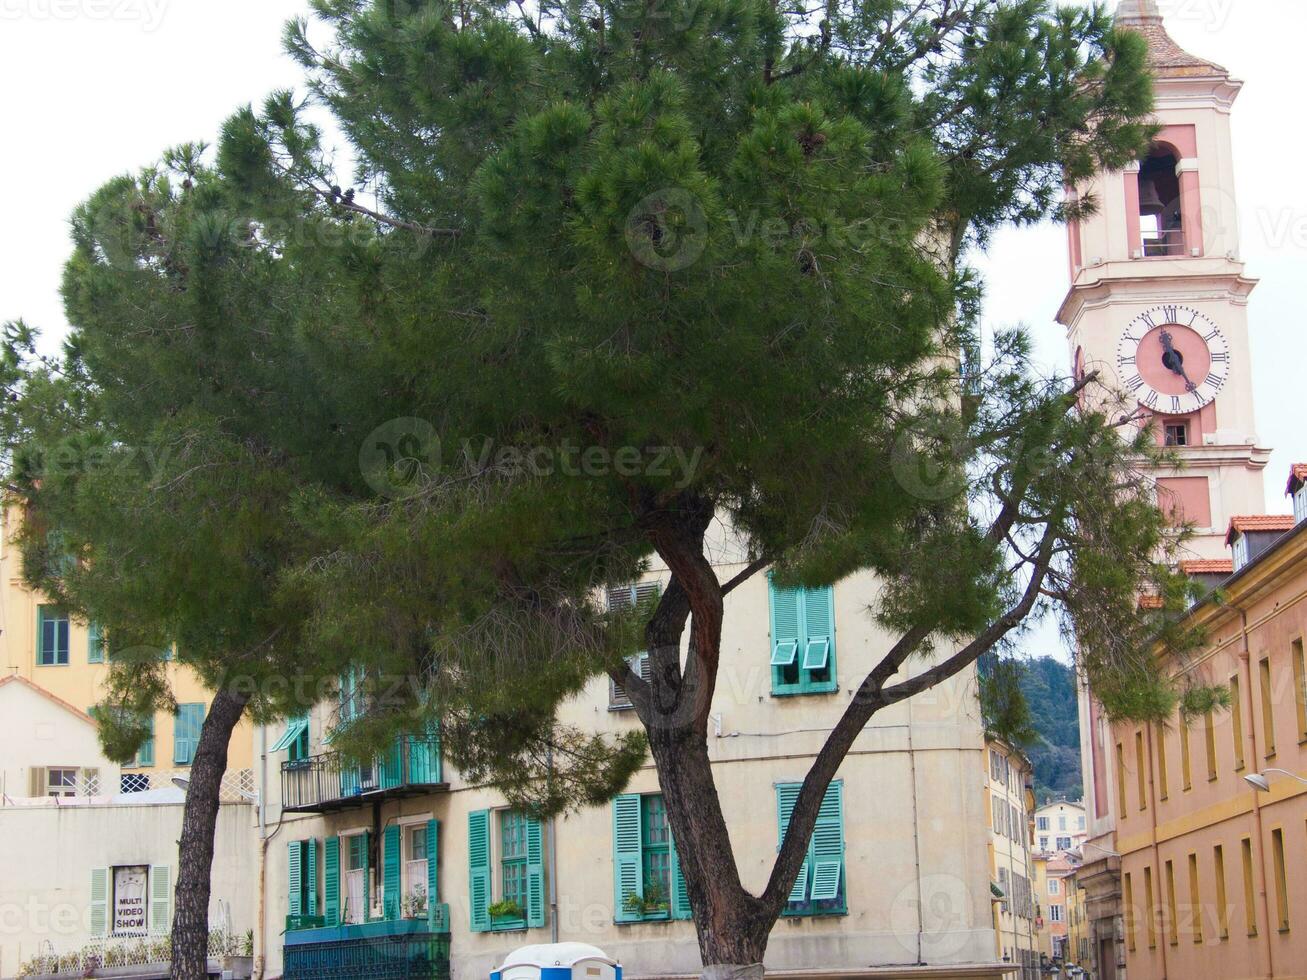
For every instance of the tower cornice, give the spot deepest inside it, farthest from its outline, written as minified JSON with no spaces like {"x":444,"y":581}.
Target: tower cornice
{"x":1144,"y":281}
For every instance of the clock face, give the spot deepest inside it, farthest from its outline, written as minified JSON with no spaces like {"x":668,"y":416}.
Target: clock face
{"x":1173,"y":359}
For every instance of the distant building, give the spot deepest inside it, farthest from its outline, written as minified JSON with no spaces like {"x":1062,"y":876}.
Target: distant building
{"x":1009,"y":779}
{"x":1059,"y":826}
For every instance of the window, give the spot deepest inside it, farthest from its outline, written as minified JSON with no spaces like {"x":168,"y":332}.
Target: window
{"x":294,"y":740}
{"x":1064,"y":843}
{"x":820,"y":886}
{"x":1121,"y":807}
{"x":131,"y":900}
{"x":1186,"y":770}
{"x":1080,"y":822}
{"x":302,"y":877}
{"x":1281,"y":883}
{"x":1043,"y":843}
{"x":1209,"y":724}
{"x":1172,"y":920}
{"x":803,"y":640}
{"x":1249,"y":891}
{"x":515,"y":841}
{"x":1177,"y":434}
{"x":51,"y":636}
{"x":1299,"y":686}
{"x":1054,"y":886}
{"x":1056,"y":913}
{"x":1161,"y":222}
{"x":1240,"y":551}
{"x":1268,"y":711}
{"x":145,"y":754}
{"x":186,"y":733}
{"x":421,"y":842}
{"x":1061,"y":822}
{"x":358,"y":883}
{"x":1148,"y":907}
{"x":648,"y":885}
{"x":94,"y":644}
{"x":1141,"y":774}
{"x":60,"y":782}
{"x":1195,"y":900}
{"x":1300,"y":503}
{"x":628,"y":597}
{"x":1236,"y":722}
{"x":1041,"y":823}
{"x":1222,"y":908}
{"x":1159,"y":734}
{"x":1129,"y":895}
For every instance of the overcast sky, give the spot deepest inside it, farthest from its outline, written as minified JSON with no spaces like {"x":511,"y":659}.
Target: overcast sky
{"x":93,"y":88}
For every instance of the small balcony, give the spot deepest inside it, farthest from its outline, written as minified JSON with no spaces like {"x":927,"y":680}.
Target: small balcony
{"x":413,"y":949}
{"x":321,"y":784}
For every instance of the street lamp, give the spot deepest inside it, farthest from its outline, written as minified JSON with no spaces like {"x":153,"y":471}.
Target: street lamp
{"x":1260,"y":782}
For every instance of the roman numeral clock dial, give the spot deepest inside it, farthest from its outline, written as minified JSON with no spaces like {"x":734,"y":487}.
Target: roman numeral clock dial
{"x":1173,"y":359}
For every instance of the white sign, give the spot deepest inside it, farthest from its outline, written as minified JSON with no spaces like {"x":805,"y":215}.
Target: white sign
{"x":129,"y":900}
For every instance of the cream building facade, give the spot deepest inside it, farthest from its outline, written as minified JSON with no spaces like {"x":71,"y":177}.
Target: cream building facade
{"x":1060,"y":825}
{"x":1009,"y":782}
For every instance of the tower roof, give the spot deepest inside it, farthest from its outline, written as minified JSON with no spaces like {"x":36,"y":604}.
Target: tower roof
{"x":1166,"y":58}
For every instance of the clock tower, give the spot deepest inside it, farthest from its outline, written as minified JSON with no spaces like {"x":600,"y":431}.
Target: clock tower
{"x":1158,"y":302}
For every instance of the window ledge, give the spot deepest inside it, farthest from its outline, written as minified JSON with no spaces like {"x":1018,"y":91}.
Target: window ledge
{"x":783,"y":693}
{"x":512,"y":925}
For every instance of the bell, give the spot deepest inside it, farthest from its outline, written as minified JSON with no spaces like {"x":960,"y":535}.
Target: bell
{"x":1150,"y":202}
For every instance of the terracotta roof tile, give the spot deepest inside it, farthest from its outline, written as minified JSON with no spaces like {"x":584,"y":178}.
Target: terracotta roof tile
{"x":1208,"y":566}
{"x":1297,"y":477}
{"x":1166,"y":58}
{"x":1150,"y":602}
{"x":1258,"y":522}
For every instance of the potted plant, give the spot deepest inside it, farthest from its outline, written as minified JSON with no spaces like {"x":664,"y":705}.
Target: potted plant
{"x":506,"y":911}
{"x":653,"y":903}
{"x":414,"y":905}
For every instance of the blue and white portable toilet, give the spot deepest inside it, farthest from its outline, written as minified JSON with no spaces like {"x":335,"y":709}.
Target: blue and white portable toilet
{"x":559,"y":961}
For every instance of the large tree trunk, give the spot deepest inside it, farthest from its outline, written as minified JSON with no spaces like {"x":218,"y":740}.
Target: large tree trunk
{"x":190,"y":923}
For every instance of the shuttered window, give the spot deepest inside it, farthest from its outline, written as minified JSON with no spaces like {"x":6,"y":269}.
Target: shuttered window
{"x":820,"y":886}
{"x":186,"y":733}
{"x":160,"y":899}
{"x":515,"y":841}
{"x":94,"y":644}
{"x":802,"y":640}
{"x":622,"y":597}
{"x":302,"y":882}
{"x":647,"y":878}
{"x":51,"y":636}
{"x":331,"y":881}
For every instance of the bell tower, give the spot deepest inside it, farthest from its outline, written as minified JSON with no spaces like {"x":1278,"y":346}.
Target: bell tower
{"x":1158,"y":302}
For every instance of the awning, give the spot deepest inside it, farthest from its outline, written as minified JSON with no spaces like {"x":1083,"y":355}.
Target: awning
{"x":294,"y":729}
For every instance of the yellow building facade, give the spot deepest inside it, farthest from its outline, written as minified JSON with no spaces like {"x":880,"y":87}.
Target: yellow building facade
{"x":1009,"y":781}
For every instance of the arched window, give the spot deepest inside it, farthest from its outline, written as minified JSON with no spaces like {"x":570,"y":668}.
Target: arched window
{"x":1161,"y":219}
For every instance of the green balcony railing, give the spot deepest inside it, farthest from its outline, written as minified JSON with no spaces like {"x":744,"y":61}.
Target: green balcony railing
{"x":322,"y":783}
{"x":396,"y":949}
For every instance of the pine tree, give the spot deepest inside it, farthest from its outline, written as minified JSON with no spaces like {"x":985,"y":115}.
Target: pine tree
{"x":417,"y":425}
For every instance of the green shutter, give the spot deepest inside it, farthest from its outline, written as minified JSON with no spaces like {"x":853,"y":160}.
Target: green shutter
{"x":680,"y":894}
{"x":827,"y":848}
{"x":311,"y":876}
{"x":535,"y":873}
{"x":478,"y":860}
{"x":331,"y":880}
{"x":819,"y":627}
{"x":187,"y":726}
{"x":99,"y":901}
{"x":784,"y":624}
{"x":145,"y":754}
{"x":433,"y":869}
{"x":390,"y":870}
{"x":160,"y":900}
{"x":628,"y":872}
{"x":294,"y":877}
{"x":365,"y":839}
{"x":787,"y":794}
{"x":94,"y":644}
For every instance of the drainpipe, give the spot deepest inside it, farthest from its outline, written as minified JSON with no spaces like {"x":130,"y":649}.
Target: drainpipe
{"x":552,"y":843}
{"x":916,"y":838}
{"x":263,"y":851}
{"x":1246,"y":668}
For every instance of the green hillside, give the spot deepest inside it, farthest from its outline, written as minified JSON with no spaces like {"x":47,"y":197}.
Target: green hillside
{"x":1032,"y":702}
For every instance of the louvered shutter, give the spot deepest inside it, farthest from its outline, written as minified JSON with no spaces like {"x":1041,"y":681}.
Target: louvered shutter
{"x":36,"y":781}
{"x":94,"y":644}
{"x":784,"y":625}
{"x":681,"y":908}
{"x":331,"y":881}
{"x":311,"y":876}
{"x":99,"y":901}
{"x":819,"y":627}
{"x":433,"y":868}
{"x":160,"y":899}
{"x":627,"y":857}
{"x":294,"y":877}
{"x":145,"y":754}
{"x":478,"y":859}
{"x":365,"y":839}
{"x":827,"y":848}
{"x":535,"y":873}
{"x":787,"y":794}
{"x":390,"y":872}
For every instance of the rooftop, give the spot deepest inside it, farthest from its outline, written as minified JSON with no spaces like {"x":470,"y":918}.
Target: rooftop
{"x":1166,"y":58}
{"x":1208,"y":566}
{"x":1259,"y":522}
{"x":1297,"y":477}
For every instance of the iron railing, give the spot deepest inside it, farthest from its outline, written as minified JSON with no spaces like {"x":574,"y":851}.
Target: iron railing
{"x":398,"y":949}
{"x":323,"y":783}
